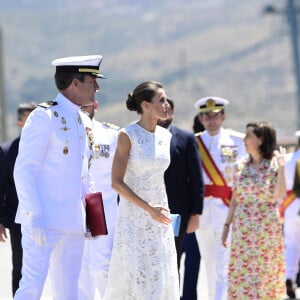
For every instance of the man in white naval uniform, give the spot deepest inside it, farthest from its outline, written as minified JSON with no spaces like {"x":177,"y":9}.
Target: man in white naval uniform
{"x":52,"y":178}
{"x":290,"y":211}
{"x":219,"y":149}
{"x":97,"y":251}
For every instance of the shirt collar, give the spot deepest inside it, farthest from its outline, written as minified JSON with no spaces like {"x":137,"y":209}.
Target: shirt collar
{"x":65,"y":102}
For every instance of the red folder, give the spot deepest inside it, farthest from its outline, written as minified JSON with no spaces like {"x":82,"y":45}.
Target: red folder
{"x":95,"y":216}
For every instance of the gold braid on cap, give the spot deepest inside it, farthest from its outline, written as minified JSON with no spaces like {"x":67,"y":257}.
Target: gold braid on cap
{"x":87,"y":70}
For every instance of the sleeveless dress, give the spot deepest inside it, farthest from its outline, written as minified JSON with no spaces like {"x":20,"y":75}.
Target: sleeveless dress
{"x":143,"y":264}
{"x":257,"y":264}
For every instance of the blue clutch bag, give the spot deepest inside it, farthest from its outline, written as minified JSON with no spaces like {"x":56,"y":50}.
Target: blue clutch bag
{"x":176,"y":220}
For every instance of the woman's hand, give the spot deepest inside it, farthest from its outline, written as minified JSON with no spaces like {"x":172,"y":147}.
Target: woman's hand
{"x":156,"y":212}
{"x":280,"y":156}
{"x":225,"y":235}
{"x":3,"y":235}
{"x":280,"y":186}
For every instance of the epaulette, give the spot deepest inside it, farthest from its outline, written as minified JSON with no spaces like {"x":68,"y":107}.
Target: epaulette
{"x":47,"y":104}
{"x":235,"y":133}
{"x":110,"y":125}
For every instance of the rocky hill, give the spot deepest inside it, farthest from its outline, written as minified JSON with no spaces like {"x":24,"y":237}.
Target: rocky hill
{"x":195,"y":48}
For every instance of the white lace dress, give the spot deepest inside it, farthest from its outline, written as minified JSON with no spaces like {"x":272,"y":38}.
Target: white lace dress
{"x":143,"y":264}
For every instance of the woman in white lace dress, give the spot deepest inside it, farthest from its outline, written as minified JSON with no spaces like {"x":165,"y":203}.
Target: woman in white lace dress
{"x":143,"y":263}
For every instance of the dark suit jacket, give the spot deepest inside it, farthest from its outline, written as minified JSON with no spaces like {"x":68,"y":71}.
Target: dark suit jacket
{"x":8,"y":194}
{"x":183,"y":178}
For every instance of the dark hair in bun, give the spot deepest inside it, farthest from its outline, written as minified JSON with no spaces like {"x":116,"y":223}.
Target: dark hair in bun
{"x":130,"y":103}
{"x":143,"y":92}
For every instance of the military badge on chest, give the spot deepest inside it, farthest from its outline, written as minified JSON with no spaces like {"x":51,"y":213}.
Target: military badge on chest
{"x":229,"y":153}
{"x":64,"y":127}
{"x":101,"y":151}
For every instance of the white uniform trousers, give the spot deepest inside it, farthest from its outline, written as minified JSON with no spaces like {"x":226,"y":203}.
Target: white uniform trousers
{"x":292,"y":239}
{"x":63,"y":251}
{"x":96,"y":258}
{"x":213,"y":254}
{"x":216,"y":258}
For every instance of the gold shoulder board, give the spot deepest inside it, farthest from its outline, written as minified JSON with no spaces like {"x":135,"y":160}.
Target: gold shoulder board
{"x":110,"y":125}
{"x":47,"y":104}
{"x":235,"y":133}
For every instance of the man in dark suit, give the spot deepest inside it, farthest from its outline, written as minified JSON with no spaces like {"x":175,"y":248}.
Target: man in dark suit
{"x":8,"y":196}
{"x":184,"y":184}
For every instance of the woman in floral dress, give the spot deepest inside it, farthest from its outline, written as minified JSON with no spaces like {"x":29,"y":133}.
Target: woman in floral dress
{"x":257,"y":265}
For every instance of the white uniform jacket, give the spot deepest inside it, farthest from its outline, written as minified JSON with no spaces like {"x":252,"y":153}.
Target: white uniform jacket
{"x":225,"y":148}
{"x":51,"y":170}
{"x":105,"y":136}
{"x":292,"y":220}
{"x":290,"y":169}
{"x":97,"y":252}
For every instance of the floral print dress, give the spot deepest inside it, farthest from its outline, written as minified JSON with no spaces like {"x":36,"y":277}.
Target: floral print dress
{"x":257,"y":265}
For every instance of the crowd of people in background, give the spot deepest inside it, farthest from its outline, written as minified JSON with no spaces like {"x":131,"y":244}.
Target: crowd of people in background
{"x":238,"y":196}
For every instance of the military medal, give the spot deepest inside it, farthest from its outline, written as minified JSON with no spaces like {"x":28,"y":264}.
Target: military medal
{"x":65,"y":150}
{"x":97,"y":149}
{"x":65,"y":128}
{"x":228,"y":179}
{"x":228,"y":153}
{"x":228,"y":170}
{"x":104,"y":150}
{"x":64,"y":122}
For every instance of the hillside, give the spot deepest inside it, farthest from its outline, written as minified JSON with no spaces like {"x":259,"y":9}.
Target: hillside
{"x":195,"y":48}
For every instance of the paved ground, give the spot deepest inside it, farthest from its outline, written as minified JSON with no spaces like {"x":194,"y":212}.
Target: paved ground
{"x":5,"y":274}
{"x":5,"y":278}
